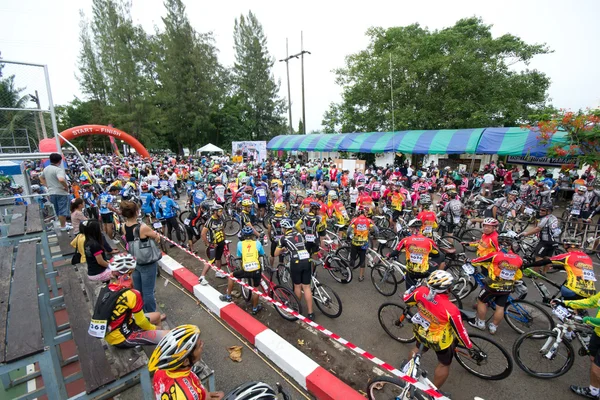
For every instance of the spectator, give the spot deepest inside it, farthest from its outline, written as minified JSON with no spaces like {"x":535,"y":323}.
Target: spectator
{"x":77,"y":217}
{"x":94,"y":253}
{"x":53,"y":177}
{"x":488,"y":183}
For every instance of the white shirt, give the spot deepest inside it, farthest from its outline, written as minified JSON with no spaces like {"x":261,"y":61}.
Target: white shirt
{"x":353,"y":192}
{"x":409,"y":171}
{"x":488,"y":178}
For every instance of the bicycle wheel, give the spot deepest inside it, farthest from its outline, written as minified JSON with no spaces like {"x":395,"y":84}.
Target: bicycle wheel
{"x":535,"y":354}
{"x":471,"y":235}
{"x":384,"y":388}
{"x":183,"y":216}
{"x":455,"y":298}
{"x":246,"y":292}
{"x":489,"y":360}
{"x":463,"y":284}
{"x":384,"y":280}
{"x":344,"y":252}
{"x":394,"y":321}
{"x":284,"y":278}
{"x":182,"y":232}
{"x":287,"y":298}
{"x":327,"y":301}
{"x":339,"y":270}
{"x":449,"y":241}
{"x":231,"y":227}
{"x":525,"y":316}
{"x":382,"y":223}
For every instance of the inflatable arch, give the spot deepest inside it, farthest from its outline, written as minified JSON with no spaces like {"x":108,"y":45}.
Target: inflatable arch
{"x":49,"y":145}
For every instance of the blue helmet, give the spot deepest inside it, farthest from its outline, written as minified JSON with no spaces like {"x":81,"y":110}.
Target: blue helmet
{"x":247,"y":231}
{"x":264,"y":178}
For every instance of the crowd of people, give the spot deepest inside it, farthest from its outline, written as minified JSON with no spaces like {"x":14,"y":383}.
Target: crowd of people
{"x":300,"y":201}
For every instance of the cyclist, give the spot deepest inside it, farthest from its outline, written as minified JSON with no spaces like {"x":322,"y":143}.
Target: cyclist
{"x":525,"y":190}
{"x":167,"y":209}
{"x":504,"y":268}
{"x":89,"y":196}
{"x":108,"y":206}
{"x":397,"y":200}
{"x":418,"y":249}
{"x":276,"y":191}
{"x":213,"y":236}
{"x":219,"y":191}
{"x":250,"y":250}
{"x":359,"y":230}
{"x":246,"y":216}
{"x":306,"y":202}
{"x":126,"y":324}
{"x":427,"y":217}
{"x":300,"y":268}
{"x":172,"y":363}
{"x":308,"y":225}
{"x":438,"y":323}
{"x":147,"y":199}
{"x":261,"y":196}
{"x":274,"y":230}
{"x":337,"y":210}
{"x":453,"y":210}
{"x":548,"y":230}
{"x":364,"y":200}
{"x":504,"y":206}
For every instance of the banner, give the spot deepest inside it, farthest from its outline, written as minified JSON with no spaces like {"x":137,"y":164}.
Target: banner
{"x":547,"y":161}
{"x":256,"y":151}
{"x":114,"y":146}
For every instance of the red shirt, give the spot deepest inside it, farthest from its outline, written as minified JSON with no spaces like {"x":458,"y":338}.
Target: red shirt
{"x":508,"y":178}
{"x":178,"y":385}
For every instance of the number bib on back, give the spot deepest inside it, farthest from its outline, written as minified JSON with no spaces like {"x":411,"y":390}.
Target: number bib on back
{"x":97,"y":328}
{"x":419,"y":320}
{"x":507,"y":274}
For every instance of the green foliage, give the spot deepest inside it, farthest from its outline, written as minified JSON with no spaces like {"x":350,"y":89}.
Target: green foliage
{"x":457,"y":77}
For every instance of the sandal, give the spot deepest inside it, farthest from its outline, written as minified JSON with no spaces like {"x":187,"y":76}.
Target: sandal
{"x":361,"y":278}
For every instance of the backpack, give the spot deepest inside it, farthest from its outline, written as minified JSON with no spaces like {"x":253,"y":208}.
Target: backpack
{"x":105,"y":304}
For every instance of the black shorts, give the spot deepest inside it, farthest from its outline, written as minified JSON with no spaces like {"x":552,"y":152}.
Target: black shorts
{"x":273,"y":247}
{"x":107,"y":218}
{"x":395,"y":215}
{"x":254,"y":277}
{"x":323,"y":233}
{"x":312,"y":247}
{"x":301,"y":273}
{"x":191,"y":232}
{"x":376,"y":202}
{"x":584,"y":214}
{"x":486,"y":296}
{"x":594,"y":347}
{"x":262,"y":205}
{"x":444,"y":356}
{"x":219,"y":248}
{"x":545,"y":249}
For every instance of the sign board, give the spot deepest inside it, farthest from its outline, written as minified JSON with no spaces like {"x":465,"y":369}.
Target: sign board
{"x":256,"y":151}
{"x":547,"y":161}
{"x":350,"y":165}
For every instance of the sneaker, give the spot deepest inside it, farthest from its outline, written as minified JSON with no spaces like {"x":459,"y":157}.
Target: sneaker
{"x":311,"y":316}
{"x":584,"y":392}
{"x":202,"y":280}
{"x":478,"y":324}
{"x":492,"y":328}
{"x":221,"y":275}
{"x":361,"y":278}
{"x":256,"y":309}
{"x":171,"y":245}
{"x":225,"y":297}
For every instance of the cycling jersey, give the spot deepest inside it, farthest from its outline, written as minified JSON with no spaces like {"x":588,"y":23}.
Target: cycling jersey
{"x":250,"y":250}
{"x":276,"y":229}
{"x":306,"y":203}
{"x":147,"y":200}
{"x":164,"y":184}
{"x":580,"y":203}
{"x":127,"y":316}
{"x":438,"y":322}
{"x":178,"y":385}
{"x":198,"y":196}
{"x":296,"y":246}
{"x":503,"y":270}
{"x":397,"y":200}
{"x":418,"y":248}
{"x":105,"y":200}
{"x":503,"y":206}
{"x":580,"y":272}
{"x":338,"y":210}
{"x":429,"y":220}
{"x":353,"y":192}
{"x":375,"y":190}
{"x":366,"y":201}
{"x":260,"y":193}
{"x":90,"y":199}
{"x":524,"y":191}
{"x":590,"y":302}
{"x":487,"y":244}
{"x":550,"y":228}
{"x":360,"y":227}
{"x":308,"y":225}
{"x":219,"y":193}
{"x":215,"y":227}
{"x":167,"y":207}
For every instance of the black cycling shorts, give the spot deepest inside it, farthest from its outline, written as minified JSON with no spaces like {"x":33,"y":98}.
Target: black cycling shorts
{"x":107,"y":218}
{"x":254,"y":277}
{"x":262,"y":205}
{"x":444,"y":356}
{"x":395,"y":215}
{"x":545,"y":249}
{"x":192,"y":232}
{"x":594,"y":347}
{"x":219,"y":249}
{"x":301,"y":273}
{"x":312,"y":247}
{"x":500,"y":298}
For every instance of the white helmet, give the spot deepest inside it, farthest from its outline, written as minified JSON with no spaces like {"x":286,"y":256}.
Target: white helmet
{"x":439,"y":281}
{"x":172,"y":350}
{"x":122,"y":263}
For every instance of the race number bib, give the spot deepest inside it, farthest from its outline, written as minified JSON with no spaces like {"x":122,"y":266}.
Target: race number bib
{"x":529,"y":211}
{"x":419,"y":320}
{"x":251,"y":266}
{"x":103,"y":203}
{"x":456,"y":220}
{"x":575,"y":212}
{"x":428,"y":230}
{"x":507,"y":274}
{"x":97,"y":328}
{"x":561,"y":312}
{"x":187,"y":221}
{"x":310,"y":238}
{"x":416,"y":258}
{"x":588,"y":275}
{"x":157,"y":225}
{"x":303,"y":254}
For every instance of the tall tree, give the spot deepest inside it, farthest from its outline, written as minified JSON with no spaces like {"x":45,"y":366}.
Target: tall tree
{"x":263,"y":109}
{"x":457,"y":77}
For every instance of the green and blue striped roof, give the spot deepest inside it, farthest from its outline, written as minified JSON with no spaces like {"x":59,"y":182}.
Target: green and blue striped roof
{"x":502,"y":141}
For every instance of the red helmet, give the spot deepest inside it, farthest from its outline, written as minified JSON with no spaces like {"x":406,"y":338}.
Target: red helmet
{"x":144,"y":185}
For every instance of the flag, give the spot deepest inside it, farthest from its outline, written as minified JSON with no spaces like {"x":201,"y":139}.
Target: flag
{"x":114,"y":146}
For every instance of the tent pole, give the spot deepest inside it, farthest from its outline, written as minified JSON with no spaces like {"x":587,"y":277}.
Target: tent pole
{"x":472,"y":163}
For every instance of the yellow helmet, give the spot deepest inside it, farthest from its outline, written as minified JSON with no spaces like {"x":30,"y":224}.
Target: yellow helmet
{"x":280,"y":206}
{"x":246,"y":202}
{"x":173,"y":349}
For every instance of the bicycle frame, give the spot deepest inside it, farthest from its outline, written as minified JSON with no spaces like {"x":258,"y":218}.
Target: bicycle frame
{"x":536,"y":275}
{"x":413,"y":369}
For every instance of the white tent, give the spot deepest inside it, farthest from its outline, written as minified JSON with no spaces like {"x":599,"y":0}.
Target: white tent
{"x":209,"y":148}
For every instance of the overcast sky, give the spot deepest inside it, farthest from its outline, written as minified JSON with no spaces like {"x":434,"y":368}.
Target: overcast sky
{"x":46,"y":32}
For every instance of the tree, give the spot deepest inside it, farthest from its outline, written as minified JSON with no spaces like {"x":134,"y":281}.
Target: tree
{"x":582,"y":129}
{"x":457,"y":77}
{"x":15,"y":122}
{"x":300,"y":127}
{"x":262,"y":108}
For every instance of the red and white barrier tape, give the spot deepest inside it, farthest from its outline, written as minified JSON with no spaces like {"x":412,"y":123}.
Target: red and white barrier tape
{"x":337,"y":338}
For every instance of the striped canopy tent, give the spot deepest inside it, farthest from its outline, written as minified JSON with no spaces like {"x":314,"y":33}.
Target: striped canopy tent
{"x":517,"y":142}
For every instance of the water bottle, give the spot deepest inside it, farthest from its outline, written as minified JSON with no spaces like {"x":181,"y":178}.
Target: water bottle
{"x":264,"y":286}
{"x":544,"y":290}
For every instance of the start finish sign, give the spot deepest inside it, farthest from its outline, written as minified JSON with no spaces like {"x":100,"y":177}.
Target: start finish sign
{"x":548,"y":161}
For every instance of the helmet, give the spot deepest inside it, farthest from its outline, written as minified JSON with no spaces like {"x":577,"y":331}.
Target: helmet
{"x":144,"y":185}
{"x":335,"y":185}
{"x":571,"y":241}
{"x":264,"y":178}
{"x":425,"y":199}
{"x":174,"y":348}
{"x":439,"y":281}
{"x":246,"y":202}
{"x":547,"y":206}
{"x":333,"y":195}
{"x":513,"y":192}
{"x":15,"y":186}
{"x":274,"y":184}
{"x":490,"y":221}
{"x":122,"y":263}
{"x":35,"y":188}
{"x":452,"y":193}
{"x":415,"y":223}
{"x":287,"y":224}
{"x":247,"y":231}
{"x":314,"y":204}
{"x":580,"y":188}
{"x":132,"y":179}
{"x":280,"y":206}
{"x":252,"y":391}
{"x":505,"y":238}
{"x":309,"y":192}
{"x":216,"y":207}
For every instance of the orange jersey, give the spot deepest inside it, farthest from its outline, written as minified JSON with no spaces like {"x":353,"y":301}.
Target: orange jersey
{"x":397,"y":200}
{"x":178,"y":385}
{"x":580,"y":272}
{"x":418,"y":248}
{"x":361,"y":226}
{"x":503,"y":270}
{"x":337,"y":210}
{"x":487,"y":244}
{"x":429,"y":220}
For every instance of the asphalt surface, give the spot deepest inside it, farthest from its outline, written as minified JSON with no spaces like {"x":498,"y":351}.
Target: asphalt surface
{"x":359,"y":324}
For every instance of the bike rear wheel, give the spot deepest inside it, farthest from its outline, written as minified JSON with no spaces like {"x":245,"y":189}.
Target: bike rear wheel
{"x":246,"y":292}
{"x":384,"y":280}
{"x":344,"y":253}
{"x":339,"y":270}
{"x":327,"y":301}
{"x":525,"y":316}
{"x":384,"y":388}
{"x":284,"y":278}
{"x":533,"y":353}
{"x":493,"y":361}
{"x":395,"y":322}
{"x":287,"y":298}
{"x":231,"y":227}
{"x":183,"y":216}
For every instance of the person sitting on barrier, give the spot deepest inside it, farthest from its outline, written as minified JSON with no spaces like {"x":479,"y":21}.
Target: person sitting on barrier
{"x":94,"y":253}
{"x":122,"y":307}
{"x":77,"y":217}
{"x":173,"y":362}
{"x":249,"y":249}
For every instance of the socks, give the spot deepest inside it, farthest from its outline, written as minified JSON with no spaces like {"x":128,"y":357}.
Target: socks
{"x":594,"y":391}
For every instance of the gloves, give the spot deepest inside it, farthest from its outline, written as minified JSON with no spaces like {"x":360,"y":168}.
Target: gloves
{"x":586,"y":320}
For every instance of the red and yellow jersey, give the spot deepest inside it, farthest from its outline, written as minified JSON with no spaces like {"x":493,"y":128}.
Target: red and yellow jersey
{"x":306,"y":203}
{"x":323,"y":214}
{"x":418,"y":248}
{"x":365,"y":200}
{"x":429,"y":220}
{"x":232,"y":186}
{"x":337,"y":210}
{"x":580,"y":272}
{"x":127,"y":316}
{"x":361,"y":226}
{"x":178,"y":385}
{"x":397,"y":200}
{"x":487,"y":244}
{"x":503,"y":270}
{"x":438,"y":322}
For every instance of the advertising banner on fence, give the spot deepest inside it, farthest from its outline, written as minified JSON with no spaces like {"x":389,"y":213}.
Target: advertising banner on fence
{"x":547,"y":161}
{"x":256,"y":151}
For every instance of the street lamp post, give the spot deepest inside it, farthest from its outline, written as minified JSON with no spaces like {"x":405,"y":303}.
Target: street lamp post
{"x":287,"y":67}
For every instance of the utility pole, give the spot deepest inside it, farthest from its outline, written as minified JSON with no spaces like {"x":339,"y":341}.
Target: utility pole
{"x":36,"y":100}
{"x":392,"y":93}
{"x":287,"y":67}
{"x":302,"y":51}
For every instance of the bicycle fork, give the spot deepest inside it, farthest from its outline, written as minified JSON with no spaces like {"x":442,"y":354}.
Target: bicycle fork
{"x":550,"y":348}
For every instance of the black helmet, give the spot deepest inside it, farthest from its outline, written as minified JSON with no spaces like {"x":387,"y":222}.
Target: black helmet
{"x":547,"y":206}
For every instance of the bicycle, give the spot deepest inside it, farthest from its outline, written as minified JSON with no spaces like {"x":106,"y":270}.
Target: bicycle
{"x":548,"y":346}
